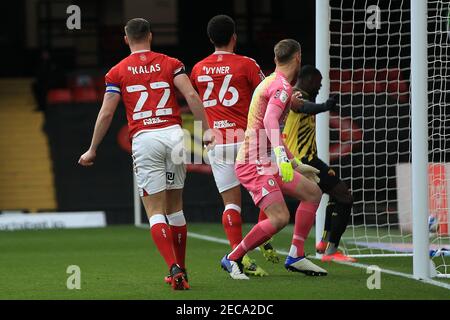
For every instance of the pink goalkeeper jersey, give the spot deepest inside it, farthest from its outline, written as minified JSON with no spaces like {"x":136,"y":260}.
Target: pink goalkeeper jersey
{"x":274,"y":89}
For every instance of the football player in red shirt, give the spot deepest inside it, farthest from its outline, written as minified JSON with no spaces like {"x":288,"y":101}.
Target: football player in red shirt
{"x":226,"y":82}
{"x":146,"y":81}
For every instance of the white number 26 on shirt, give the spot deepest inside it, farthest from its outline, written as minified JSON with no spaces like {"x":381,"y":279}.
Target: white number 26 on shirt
{"x":223,"y":90}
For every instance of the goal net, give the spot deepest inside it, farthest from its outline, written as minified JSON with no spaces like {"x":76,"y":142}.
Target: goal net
{"x":370,"y":138}
{"x":439,"y":133}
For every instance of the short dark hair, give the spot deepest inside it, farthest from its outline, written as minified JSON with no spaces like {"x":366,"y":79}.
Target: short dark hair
{"x":137,"y":29}
{"x":220,"y":29}
{"x":285,"y":50}
{"x":307,"y":72}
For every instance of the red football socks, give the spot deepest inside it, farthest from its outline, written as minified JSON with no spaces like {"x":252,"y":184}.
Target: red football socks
{"x":232,"y":223}
{"x":177,"y":223}
{"x":162,"y":237}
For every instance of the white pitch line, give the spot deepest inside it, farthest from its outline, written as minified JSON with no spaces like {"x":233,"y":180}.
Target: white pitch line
{"x":207,"y":238}
{"x":351,"y":264}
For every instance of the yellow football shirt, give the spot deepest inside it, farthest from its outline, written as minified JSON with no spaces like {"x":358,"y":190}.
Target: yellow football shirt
{"x":300,"y":133}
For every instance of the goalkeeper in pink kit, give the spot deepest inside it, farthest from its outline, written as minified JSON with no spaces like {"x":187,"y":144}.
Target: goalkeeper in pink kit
{"x":267,"y":169}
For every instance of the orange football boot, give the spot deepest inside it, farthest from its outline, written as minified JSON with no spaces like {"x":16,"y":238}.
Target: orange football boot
{"x":337,"y":256}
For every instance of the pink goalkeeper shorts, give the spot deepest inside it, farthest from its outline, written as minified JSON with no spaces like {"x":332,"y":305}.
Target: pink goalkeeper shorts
{"x":265,"y":186}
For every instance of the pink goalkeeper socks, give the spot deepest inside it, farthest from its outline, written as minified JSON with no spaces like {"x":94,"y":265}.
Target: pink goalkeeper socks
{"x":304,"y":220}
{"x":259,"y":234}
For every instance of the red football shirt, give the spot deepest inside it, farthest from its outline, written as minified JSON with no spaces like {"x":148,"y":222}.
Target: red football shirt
{"x":145,"y":81}
{"x":225,"y":82}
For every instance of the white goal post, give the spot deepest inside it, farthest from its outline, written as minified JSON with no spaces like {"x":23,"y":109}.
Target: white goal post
{"x":419,"y":139}
{"x":323,"y":119}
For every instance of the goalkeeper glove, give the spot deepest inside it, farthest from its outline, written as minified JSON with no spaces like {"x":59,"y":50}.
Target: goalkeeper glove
{"x":331,"y":104}
{"x":307,"y":171}
{"x":284,"y":165}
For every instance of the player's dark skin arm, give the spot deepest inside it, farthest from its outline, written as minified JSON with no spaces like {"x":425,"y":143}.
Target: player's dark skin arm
{"x":299,"y":105}
{"x":312,"y":108}
{"x":310,"y":85}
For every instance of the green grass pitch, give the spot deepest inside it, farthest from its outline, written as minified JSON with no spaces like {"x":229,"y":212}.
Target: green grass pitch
{"x":121,"y":262}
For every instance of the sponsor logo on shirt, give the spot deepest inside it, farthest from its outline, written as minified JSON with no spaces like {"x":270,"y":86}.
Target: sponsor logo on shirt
{"x":150,"y":121}
{"x":277,"y":94}
{"x":223,"y":124}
